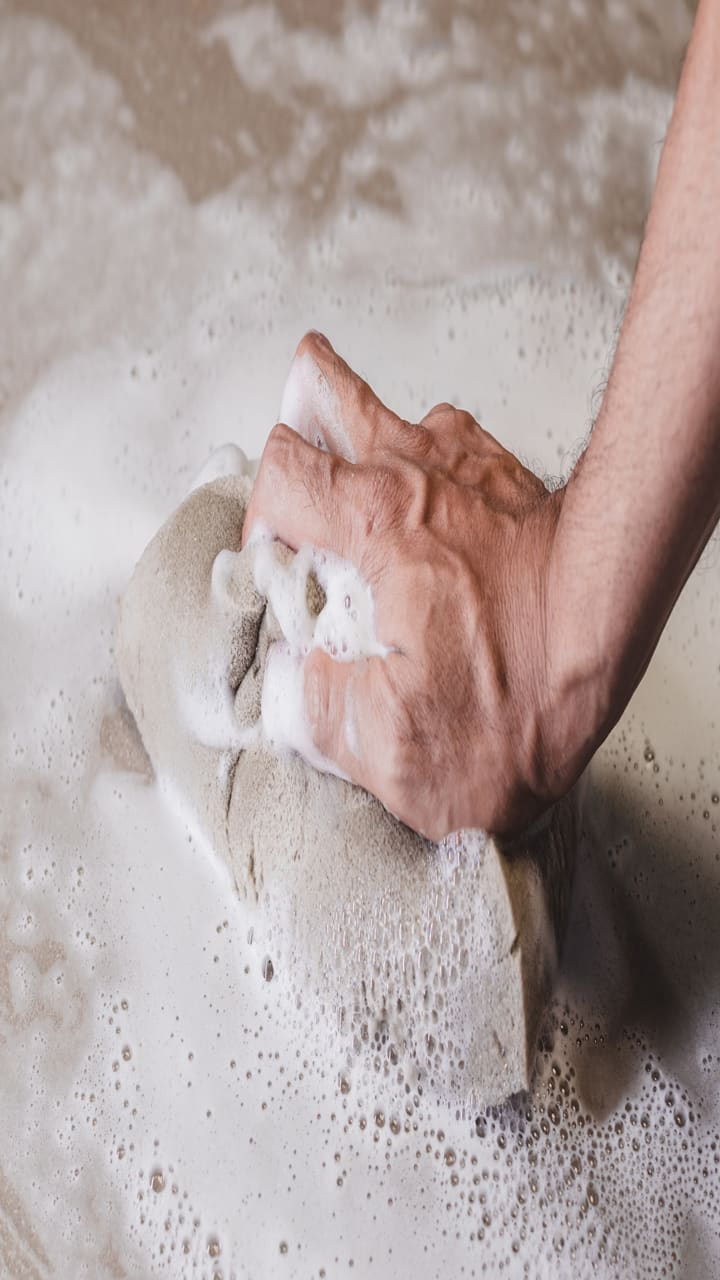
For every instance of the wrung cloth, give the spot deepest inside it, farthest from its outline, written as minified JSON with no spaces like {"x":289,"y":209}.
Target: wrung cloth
{"x":444,"y":953}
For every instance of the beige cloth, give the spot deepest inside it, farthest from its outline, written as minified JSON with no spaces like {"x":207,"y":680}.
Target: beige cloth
{"x":444,"y":952}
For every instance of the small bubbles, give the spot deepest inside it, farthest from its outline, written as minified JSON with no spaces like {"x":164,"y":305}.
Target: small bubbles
{"x":592,"y":1195}
{"x":283,"y":1247}
{"x":450,"y":1157}
{"x":268,"y":969}
{"x":127,"y":1053}
{"x":213,"y":1248}
{"x":380,"y":1119}
{"x":157,"y":1181}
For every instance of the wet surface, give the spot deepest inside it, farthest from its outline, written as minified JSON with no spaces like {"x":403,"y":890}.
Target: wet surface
{"x":456,"y":195}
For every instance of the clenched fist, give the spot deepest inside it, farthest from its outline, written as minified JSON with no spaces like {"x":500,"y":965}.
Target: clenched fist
{"x":460,"y":724}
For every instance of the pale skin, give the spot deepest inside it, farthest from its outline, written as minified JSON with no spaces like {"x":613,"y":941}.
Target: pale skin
{"x":519,"y":622}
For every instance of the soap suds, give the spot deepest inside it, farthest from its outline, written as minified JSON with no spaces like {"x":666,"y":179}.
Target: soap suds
{"x":142,"y":327}
{"x":344,"y":628}
{"x":228,"y":460}
{"x":400,"y":936}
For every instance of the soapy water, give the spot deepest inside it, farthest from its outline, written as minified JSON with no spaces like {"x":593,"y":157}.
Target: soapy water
{"x":344,"y":627}
{"x":173,"y":1102}
{"x":318,"y":600}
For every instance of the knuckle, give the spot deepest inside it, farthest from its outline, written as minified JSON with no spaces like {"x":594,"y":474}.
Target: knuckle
{"x":278,"y":445}
{"x":313,"y":344}
{"x":439,"y":410}
{"x":279,"y":433}
{"x":466,"y":421}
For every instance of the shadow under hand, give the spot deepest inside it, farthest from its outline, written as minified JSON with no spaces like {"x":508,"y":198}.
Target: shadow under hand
{"x":641,"y":963}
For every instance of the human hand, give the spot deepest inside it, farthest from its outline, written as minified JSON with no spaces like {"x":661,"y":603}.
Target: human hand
{"x":468,"y":721}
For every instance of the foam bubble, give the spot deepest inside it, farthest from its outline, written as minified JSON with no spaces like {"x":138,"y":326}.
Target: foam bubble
{"x":144,"y":321}
{"x":340,"y":619}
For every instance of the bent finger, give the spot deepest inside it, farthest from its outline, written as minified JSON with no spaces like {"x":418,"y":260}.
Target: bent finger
{"x":347,"y":715}
{"x":303,"y":495}
{"x":332,"y":407}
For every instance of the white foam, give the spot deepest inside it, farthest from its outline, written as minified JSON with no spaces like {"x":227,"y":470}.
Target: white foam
{"x":284,"y":584}
{"x":284,"y":720}
{"x":311,"y":406}
{"x":228,"y":460}
{"x":140,"y":329}
{"x":344,"y":628}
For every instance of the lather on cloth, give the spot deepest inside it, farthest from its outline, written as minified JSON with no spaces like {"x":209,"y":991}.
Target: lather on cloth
{"x":445,"y":952}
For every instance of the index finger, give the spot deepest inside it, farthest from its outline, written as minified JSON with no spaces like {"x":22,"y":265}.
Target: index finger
{"x":303,"y":495}
{"x":329,"y":404}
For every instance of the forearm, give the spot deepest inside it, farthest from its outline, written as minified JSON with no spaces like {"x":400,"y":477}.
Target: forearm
{"x":514,"y":624}
{"x":646,"y":495}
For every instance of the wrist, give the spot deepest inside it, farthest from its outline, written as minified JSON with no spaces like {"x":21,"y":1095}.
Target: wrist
{"x":583,"y":670}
